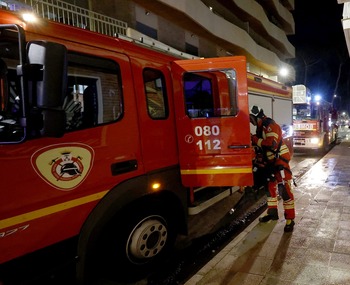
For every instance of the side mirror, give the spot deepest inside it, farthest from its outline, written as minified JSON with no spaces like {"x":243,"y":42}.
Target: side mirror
{"x":51,"y":87}
{"x":48,"y":62}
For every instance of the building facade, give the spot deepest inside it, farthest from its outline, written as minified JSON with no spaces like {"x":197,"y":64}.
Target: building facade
{"x":257,"y":29}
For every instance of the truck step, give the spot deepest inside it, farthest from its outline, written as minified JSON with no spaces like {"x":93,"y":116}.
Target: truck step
{"x":208,"y":196}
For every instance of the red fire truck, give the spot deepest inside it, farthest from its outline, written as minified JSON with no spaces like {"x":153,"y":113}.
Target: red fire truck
{"x":111,"y":141}
{"x":314,"y":121}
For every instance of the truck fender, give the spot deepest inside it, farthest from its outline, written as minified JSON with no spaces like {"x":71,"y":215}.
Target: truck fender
{"x":129,"y":200}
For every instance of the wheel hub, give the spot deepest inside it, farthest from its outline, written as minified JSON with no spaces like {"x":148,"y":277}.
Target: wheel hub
{"x":147,"y":238}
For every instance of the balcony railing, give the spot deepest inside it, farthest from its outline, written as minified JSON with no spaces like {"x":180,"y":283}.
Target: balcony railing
{"x":69,"y":14}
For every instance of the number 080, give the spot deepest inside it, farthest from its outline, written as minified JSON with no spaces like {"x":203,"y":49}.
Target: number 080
{"x":207,"y":131}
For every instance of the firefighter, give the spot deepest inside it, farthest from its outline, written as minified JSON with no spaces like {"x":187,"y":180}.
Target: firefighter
{"x":268,"y":137}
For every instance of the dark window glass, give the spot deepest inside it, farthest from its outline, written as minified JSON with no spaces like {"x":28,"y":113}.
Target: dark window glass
{"x":210,"y":94}
{"x":94,"y":94}
{"x":147,"y":30}
{"x":191,"y":49}
{"x":155,"y":90}
{"x":10,"y":103}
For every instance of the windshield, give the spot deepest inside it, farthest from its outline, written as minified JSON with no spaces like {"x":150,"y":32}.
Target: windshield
{"x":305,"y":112}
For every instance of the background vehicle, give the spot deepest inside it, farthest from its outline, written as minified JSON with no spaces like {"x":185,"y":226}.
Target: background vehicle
{"x":314,"y":121}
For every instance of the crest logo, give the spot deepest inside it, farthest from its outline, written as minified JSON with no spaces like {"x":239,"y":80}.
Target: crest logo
{"x":63,"y":166}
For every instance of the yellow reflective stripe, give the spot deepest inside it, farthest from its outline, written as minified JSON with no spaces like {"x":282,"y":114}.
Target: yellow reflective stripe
{"x":27,"y":217}
{"x":289,"y":203}
{"x":284,"y":150}
{"x":284,"y":147}
{"x":288,"y":207}
{"x":272,"y":202}
{"x":216,"y":171}
{"x":272,"y":135}
{"x":270,"y":155}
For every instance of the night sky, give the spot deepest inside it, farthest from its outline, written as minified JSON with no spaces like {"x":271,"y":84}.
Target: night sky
{"x":321,"y":49}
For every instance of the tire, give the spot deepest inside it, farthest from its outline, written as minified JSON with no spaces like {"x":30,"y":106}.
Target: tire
{"x":325,"y":147}
{"x":135,"y":242}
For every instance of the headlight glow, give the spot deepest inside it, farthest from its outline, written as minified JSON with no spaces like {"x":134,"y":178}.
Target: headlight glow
{"x":291,"y":131}
{"x":314,"y":140}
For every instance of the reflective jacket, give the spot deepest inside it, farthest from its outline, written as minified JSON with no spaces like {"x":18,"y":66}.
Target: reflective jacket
{"x":270,"y":140}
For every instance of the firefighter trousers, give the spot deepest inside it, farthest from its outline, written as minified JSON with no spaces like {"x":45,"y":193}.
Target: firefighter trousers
{"x":285,"y":191}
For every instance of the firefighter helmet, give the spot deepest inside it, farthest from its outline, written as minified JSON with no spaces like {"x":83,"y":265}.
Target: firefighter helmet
{"x":256,"y":111}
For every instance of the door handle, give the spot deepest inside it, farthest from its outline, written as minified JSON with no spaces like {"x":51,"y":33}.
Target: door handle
{"x":123,"y":167}
{"x":238,"y":146}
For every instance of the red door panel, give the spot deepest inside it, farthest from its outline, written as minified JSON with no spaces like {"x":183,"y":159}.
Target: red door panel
{"x":212,"y":117}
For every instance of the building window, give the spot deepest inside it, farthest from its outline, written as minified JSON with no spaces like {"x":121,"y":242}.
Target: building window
{"x":191,"y":49}
{"x":147,"y":30}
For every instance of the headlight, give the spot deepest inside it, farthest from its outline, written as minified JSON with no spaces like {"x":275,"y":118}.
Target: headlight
{"x":314,"y":140}
{"x":291,"y":131}
{"x":287,"y":131}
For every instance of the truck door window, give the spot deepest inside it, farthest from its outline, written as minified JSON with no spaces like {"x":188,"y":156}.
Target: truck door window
{"x":94,"y":94}
{"x":155,"y":90}
{"x":202,"y":95}
{"x":10,"y":104}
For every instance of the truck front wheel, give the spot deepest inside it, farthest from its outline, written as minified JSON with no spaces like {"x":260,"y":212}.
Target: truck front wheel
{"x":325,"y":146}
{"x":134,"y":242}
{"x":147,"y":239}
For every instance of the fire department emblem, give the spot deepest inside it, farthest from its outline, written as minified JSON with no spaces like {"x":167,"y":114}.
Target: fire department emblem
{"x":67,"y":167}
{"x":63,"y":166}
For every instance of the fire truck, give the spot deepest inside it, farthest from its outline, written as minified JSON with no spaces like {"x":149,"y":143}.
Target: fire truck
{"x":314,"y":122}
{"x":113,"y":142}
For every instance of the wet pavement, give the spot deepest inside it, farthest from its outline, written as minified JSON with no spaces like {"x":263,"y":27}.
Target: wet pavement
{"x":317,"y":252}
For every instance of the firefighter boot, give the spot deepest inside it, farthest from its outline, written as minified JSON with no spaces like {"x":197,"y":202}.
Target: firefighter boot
{"x":289,"y":226}
{"x":272,"y":214}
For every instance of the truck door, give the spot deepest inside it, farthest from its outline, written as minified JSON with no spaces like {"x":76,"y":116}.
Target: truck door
{"x":212,"y":121}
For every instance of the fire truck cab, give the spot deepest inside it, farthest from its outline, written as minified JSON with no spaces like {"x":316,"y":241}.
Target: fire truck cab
{"x":313,"y":123}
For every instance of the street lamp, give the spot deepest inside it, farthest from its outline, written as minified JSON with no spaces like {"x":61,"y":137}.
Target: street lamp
{"x":284,"y":72}
{"x":318,"y":98}
{"x":334,"y":101}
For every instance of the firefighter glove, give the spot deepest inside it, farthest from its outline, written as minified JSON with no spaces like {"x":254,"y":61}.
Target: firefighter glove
{"x":254,"y":139}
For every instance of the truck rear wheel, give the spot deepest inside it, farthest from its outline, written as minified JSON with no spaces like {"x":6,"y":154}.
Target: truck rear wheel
{"x":134,"y":243}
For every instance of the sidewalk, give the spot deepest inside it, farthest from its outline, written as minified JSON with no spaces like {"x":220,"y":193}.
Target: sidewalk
{"x":317,"y":252}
